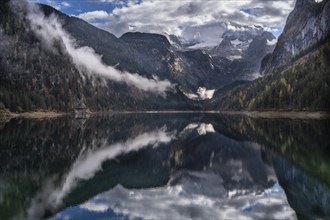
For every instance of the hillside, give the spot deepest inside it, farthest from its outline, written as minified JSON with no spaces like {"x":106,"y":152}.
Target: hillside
{"x":34,"y":76}
{"x":140,"y":71}
{"x":149,"y":54}
{"x":297,"y":74}
{"x":307,"y":27}
{"x":302,"y":85}
{"x":42,"y":75}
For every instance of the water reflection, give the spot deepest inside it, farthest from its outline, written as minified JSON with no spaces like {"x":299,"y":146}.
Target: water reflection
{"x":177,"y":203}
{"x":88,"y":163}
{"x":164,"y":166}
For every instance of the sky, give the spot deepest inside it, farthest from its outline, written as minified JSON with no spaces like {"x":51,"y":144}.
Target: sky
{"x":205,"y":20}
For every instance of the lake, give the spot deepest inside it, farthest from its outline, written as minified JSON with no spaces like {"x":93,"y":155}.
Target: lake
{"x":165,"y":166}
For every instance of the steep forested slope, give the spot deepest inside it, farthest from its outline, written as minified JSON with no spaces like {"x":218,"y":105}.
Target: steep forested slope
{"x":36,"y":77}
{"x":302,"y":85}
{"x":298,"y":71}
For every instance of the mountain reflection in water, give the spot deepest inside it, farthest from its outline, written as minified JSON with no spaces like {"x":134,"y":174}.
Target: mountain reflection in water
{"x":165,"y":167}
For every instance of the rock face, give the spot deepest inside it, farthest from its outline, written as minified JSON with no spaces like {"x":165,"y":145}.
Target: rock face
{"x":259,"y":47}
{"x":151,"y":55}
{"x":306,"y":27}
{"x":34,"y":77}
{"x":236,"y":42}
{"x":297,"y":72}
{"x":46,"y":80}
{"x":245,"y":50}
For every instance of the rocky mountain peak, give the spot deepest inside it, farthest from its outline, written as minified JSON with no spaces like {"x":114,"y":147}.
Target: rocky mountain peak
{"x":259,"y":47}
{"x":306,"y":27}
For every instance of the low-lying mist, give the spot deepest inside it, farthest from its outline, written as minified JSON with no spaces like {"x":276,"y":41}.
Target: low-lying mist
{"x":51,"y":34}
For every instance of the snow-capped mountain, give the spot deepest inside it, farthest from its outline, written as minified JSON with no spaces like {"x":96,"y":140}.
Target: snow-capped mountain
{"x":237,"y":41}
{"x":243,"y":47}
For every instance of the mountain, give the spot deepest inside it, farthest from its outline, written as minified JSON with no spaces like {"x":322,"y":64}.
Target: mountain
{"x":297,"y":73}
{"x":307,"y":27}
{"x":34,"y":76}
{"x":149,"y":55}
{"x":152,"y":54}
{"x":245,"y":49}
{"x":236,"y":41}
{"x":242,"y":46}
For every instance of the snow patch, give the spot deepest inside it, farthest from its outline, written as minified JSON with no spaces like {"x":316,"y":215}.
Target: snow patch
{"x":235,"y":57}
{"x":205,"y":128}
{"x":201,"y":94}
{"x":236,"y":42}
{"x":202,"y":129}
{"x":204,"y":45}
{"x":204,"y":93}
{"x":271,"y":42}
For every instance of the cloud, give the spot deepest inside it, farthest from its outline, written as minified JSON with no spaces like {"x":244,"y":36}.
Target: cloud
{"x":51,"y":33}
{"x":54,"y":3}
{"x":65,"y":4}
{"x":87,"y":165}
{"x":178,"y":202}
{"x":118,"y":3}
{"x":108,"y":1}
{"x":93,"y":15}
{"x":188,"y":18}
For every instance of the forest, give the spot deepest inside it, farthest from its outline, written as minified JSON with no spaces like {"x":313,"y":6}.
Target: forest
{"x":302,"y":85}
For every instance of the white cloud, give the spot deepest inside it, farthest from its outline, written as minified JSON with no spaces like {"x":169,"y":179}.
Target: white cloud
{"x":93,"y":15}
{"x":49,"y":30}
{"x":194,"y":19}
{"x":65,"y":4}
{"x":94,"y":207}
{"x":54,"y":4}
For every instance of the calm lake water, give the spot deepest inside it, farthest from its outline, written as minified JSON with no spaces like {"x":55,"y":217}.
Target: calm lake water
{"x":165,"y":166}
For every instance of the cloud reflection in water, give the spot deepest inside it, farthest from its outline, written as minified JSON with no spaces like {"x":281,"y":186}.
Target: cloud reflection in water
{"x":87,"y":165}
{"x":182,"y":202}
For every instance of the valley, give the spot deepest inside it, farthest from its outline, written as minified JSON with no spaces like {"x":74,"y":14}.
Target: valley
{"x":247,"y":71}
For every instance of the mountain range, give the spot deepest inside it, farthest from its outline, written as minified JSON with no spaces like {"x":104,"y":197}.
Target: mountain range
{"x":248,"y":69}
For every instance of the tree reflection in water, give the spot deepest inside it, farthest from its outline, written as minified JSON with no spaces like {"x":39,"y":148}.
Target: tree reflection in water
{"x":179,"y":166}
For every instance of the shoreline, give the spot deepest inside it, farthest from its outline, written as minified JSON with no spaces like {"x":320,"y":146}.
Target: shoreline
{"x":4,"y":114}
{"x":284,"y":114}
{"x":252,"y":114}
